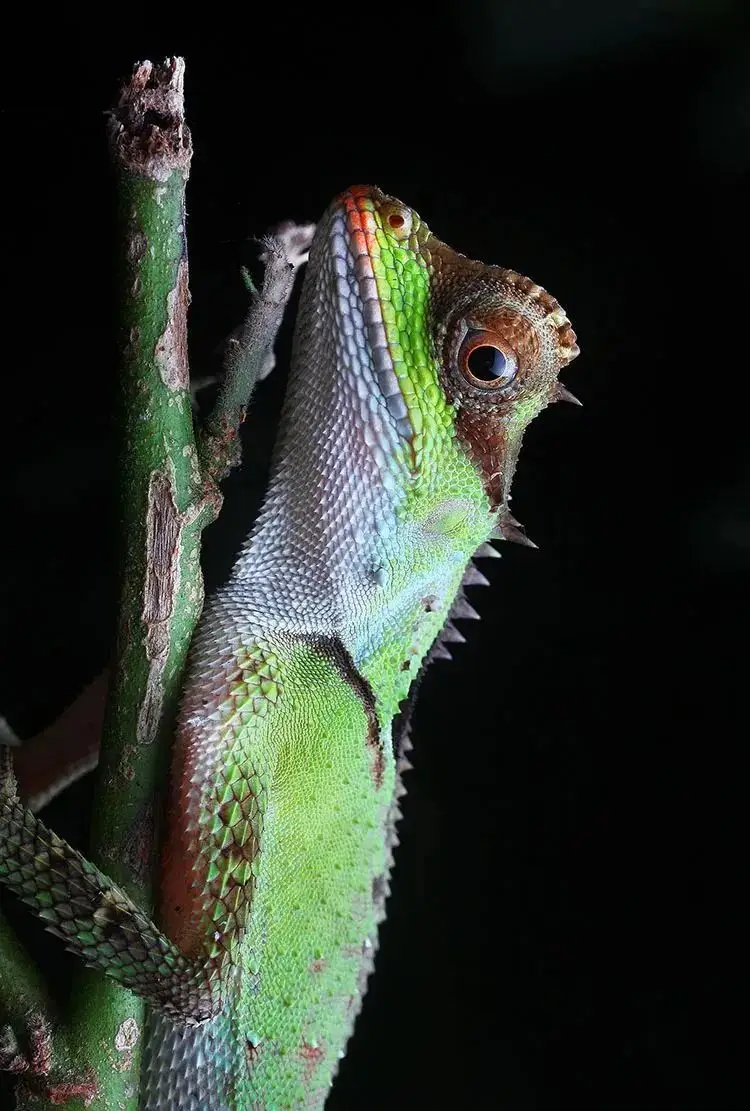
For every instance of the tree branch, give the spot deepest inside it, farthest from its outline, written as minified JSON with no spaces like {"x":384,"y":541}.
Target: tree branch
{"x":249,"y":357}
{"x":168,"y":494}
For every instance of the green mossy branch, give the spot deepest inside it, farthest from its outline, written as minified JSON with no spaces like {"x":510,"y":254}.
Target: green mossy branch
{"x":162,"y":508}
{"x":168,"y":494}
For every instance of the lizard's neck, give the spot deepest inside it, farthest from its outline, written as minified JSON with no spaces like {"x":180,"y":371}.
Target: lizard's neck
{"x":385,"y":600}
{"x":323,"y":533}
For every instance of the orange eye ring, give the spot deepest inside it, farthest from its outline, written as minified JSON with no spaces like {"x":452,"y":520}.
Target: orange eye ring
{"x":486,"y":360}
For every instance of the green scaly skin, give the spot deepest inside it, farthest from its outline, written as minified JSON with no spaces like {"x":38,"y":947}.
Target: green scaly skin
{"x":415,"y":373}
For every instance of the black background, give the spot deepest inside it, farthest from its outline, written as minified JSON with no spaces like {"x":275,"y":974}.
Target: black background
{"x":563,"y":928}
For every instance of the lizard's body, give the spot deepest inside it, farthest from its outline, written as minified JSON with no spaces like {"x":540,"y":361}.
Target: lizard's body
{"x":394,"y":464}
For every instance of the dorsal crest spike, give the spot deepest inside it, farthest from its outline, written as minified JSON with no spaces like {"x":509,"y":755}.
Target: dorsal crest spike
{"x":451,"y":635}
{"x":562,"y":393}
{"x":487,"y":551}
{"x":463,"y":609}
{"x":474,"y":577}
{"x":508,"y":528}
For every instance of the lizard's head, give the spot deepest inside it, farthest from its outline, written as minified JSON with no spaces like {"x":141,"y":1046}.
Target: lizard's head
{"x":416,"y":371}
{"x":445,"y":354}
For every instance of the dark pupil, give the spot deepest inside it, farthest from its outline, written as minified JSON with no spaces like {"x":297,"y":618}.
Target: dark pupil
{"x":487,"y":363}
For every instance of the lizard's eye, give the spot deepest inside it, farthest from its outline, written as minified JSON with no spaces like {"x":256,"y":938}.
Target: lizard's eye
{"x":486,"y":361}
{"x":397,"y":218}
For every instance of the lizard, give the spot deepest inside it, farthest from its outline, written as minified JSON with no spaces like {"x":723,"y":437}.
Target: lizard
{"x":415,"y":371}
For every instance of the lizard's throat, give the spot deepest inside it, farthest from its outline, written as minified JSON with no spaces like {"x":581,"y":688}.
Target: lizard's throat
{"x":344,"y":432}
